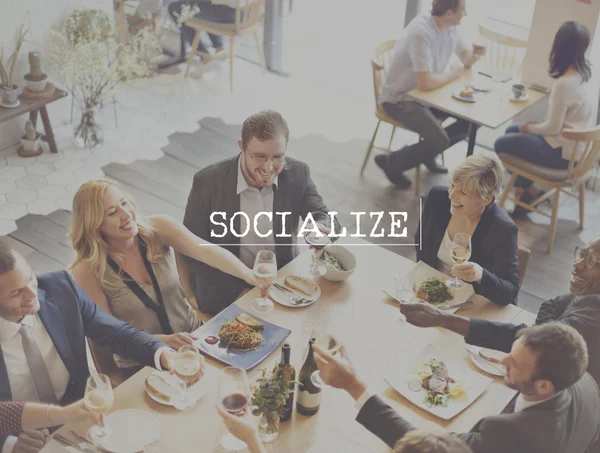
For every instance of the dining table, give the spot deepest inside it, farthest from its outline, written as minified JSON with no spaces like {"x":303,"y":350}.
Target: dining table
{"x":495,"y":108}
{"x":366,"y":322}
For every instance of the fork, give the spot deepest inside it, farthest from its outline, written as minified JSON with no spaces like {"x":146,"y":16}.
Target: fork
{"x":450,"y":307}
{"x":294,"y":298}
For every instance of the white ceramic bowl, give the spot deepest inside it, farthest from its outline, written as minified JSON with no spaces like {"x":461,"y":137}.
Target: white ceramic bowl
{"x":346,"y":259}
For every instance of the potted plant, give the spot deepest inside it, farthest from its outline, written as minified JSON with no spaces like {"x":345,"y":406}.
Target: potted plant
{"x":269,"y":394}
{"x":8,"y":89}
{"x":30,"y":141}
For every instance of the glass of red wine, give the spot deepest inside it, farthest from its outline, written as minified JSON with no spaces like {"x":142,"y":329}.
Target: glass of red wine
{"x":233,"y":396}
{"x":317,"y":240}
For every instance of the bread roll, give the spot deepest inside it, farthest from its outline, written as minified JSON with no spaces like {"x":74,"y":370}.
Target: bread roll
{"x":157,"y":386}
{"x":302,"y":285}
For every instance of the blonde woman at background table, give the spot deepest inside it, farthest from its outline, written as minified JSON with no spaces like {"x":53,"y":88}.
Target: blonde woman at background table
{"x":124,"y":259}
{"x":468,"y":206}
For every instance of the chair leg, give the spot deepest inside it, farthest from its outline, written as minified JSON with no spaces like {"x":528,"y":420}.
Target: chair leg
{"x":231,"y":57}
{"x":443,"y":160}
{"x":507,"y":190}
{"x":553,"y":221}
{"x":192,"y":55}
{"x":392,"y":138}
{"x":581,"y":204}
{"x":418,"y":180}
{"x":261,"y":54}
{"x":362,"y":169}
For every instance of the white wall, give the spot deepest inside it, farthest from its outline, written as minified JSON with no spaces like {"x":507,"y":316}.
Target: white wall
{"x":45,"y":14}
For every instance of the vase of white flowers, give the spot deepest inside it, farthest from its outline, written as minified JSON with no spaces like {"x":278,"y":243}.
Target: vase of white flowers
{"x":87,"y":57}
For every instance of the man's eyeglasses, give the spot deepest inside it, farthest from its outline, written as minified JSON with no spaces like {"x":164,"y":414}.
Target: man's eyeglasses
{"x":591,"y":260}
{"x":277,"y":160}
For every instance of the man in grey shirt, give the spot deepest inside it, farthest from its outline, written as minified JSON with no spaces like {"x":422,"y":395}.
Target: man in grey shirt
{"x":419,"y":60}
{"x":261,"y":179}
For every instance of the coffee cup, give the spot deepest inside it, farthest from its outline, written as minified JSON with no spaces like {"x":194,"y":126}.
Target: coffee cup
{"x":519,"y":90}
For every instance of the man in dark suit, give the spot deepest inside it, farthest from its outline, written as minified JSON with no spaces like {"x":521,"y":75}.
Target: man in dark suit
{"x":555,"y":412}
{"x":579,"y":309}
{"x":260,"y":179}
{"x":43,"y":325}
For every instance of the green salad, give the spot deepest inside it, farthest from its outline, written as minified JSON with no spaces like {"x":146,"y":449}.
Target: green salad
{"x":331,"y":261}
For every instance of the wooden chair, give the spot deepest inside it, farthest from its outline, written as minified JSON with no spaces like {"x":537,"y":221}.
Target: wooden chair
{"x":504,"y":54}
{"x":187,"y":289}
{"x":379,"y":63}
{"x":587,"y":142}
{"x":247,"y":20}
{"x":104,"y":363}
{"x":523,"y":253}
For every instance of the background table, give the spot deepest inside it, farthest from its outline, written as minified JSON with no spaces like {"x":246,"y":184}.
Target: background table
{"x":492,"y":111}
{"x":367,"y":324}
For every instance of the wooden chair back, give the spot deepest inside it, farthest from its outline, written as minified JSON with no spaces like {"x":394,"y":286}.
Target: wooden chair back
{"x":504,"y":53}
{"x":104,"y":363}
{"x":380,"y":63}
{"x":586,"y":154}
{"x":523,"y":253}
{"x":187,"y":289}
{"x":248,"y":14}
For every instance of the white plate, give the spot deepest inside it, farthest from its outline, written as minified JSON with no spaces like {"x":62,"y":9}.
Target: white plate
{"x":132,"y":431}
{"x":10,"y":106}
{"x":474,"y":383}
{"x":197,"y":391}
{"x":521,"y":99}
{"x":481,"y":85}
{"x":422,"y":271}
{"x":477,"y":96}
{"x":281,"y":298}
{"x":490,"y":368}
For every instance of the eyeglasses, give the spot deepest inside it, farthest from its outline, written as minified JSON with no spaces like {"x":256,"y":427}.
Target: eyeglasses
{"x":591,"y":260}
{"x":277,"y":160}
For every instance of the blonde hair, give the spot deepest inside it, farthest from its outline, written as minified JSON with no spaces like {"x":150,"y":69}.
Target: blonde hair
{"x":88,"y":214}
{"x":480,"y":174}
{"x":423,"y":442}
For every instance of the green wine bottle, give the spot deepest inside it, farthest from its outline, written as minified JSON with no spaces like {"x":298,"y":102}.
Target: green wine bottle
{"x":309,"y":395}
{"x":288,"y":373}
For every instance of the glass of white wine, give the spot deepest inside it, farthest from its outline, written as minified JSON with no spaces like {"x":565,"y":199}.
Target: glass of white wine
{"x":460,"y":251}
{"x":98,"y":399}
{"x":265,"y":272}
{"x":188,"y":365}
{"x":328,"y":343}
{"x":405,"y":293}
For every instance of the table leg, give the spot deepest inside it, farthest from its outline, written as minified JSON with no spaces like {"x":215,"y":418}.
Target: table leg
{"x":49,"y":135}
{"x":472,"y":136}
{"x":33,"y":117}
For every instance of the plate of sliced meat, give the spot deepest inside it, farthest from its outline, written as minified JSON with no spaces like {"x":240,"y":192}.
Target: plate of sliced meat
{"x":438,"y":384}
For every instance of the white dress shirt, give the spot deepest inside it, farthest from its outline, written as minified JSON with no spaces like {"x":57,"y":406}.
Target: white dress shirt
{"x":19,"y":376}
{"x":521,"y":403}
{"x":253,"y":201}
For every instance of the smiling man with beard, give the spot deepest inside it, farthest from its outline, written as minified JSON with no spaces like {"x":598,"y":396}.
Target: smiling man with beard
{"x":580,"y":308}
{"x":260,"y":179}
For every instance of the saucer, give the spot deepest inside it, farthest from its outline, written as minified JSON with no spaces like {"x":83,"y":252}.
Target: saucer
{"x":521,"y":99}
{"x":477,"y":95}
{"x":10,"y":106}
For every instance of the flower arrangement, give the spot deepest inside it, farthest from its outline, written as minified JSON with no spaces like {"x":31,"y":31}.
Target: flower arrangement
{"x":88,"y":59}
{"x":269,"y":395}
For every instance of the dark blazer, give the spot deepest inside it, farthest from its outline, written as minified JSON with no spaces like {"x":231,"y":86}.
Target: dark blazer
{"x":494,"y":246}
{"x":569,"y":422}
{"x":580,"y":312}
{"x":69,"y":315}
{"x":215,"y":189}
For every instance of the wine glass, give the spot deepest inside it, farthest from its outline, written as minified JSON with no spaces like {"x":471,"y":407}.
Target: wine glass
{"x":317,"y":242}
{"x":328,"y":343}
{"x":233,"y":396}
{"x":405,"y":293}
{"x":188,"y":365}
{"x":265,"y":272}
{"x":460,"y":251}
{"x":98,"y":399}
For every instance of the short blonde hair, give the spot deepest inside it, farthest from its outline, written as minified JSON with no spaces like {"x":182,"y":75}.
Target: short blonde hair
{"x":424,"y":442}
{"x":87,"y":217}
{"x":479,"y":174}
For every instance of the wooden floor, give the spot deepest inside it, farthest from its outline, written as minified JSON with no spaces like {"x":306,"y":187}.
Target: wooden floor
{"x":162,"y":186}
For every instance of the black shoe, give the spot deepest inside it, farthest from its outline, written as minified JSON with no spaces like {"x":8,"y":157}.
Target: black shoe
{"x":400,"y":180}
{"x":520,"y":212}
{"x":434,"y":167}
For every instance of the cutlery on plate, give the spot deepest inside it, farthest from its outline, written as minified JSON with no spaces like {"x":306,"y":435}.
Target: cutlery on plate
{"x":294,"y":297}
{"x":80,"y":438}
{"x":485,"y":362}
{"x":489,"y":359}
{"x":66,"y":441}
{"x":450,"y":307}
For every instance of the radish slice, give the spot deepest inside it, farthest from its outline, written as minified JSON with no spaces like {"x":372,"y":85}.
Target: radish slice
{"x":415,"y":385}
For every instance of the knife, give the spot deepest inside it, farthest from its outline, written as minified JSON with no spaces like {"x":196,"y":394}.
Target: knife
{"x":481,"y":360}
{"x":66,"y":441}
{"x":80,"y":438}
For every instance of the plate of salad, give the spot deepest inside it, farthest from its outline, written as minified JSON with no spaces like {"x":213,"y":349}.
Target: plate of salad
{"x":438,"y":384}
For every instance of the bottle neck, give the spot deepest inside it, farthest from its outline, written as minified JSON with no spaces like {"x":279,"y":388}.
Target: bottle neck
{"x":285,"y":356}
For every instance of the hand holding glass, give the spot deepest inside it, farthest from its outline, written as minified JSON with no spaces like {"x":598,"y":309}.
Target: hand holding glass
{"x":460,"y":251}
{"x":98,"y":400}
{"x":188,"y":366}
{"x":233,"y":396}
{"x":265,"y":273}
{"x":328,"y":343}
